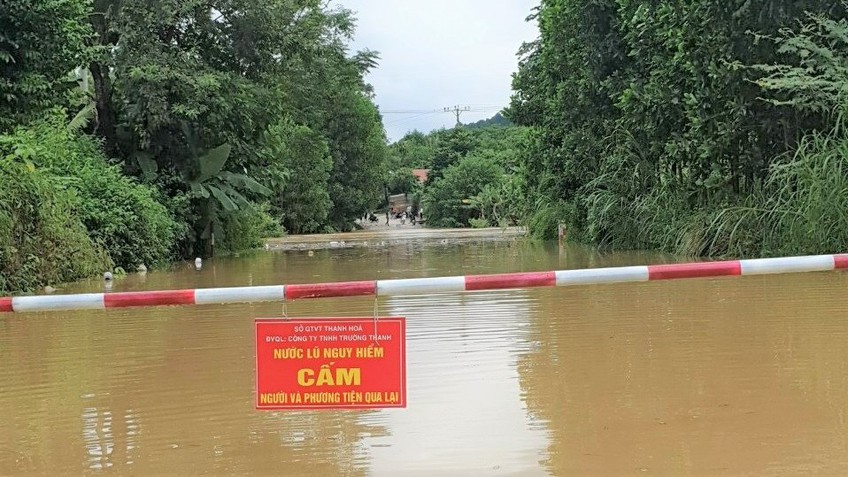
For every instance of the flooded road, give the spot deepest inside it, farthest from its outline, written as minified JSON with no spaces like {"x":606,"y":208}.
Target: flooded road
{"x":729,"y":376}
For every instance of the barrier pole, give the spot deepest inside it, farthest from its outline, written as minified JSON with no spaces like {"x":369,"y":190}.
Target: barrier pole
{"x":423,"y":286}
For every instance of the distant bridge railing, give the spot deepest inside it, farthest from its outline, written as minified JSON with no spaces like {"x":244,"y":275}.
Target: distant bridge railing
{"x":423,"y":286}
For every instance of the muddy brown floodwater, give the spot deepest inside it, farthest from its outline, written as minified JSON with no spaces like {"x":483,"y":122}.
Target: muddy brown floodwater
{"x":730,"y":376}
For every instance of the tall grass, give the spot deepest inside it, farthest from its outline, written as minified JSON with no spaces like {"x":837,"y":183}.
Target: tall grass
{"x":546,"y":216}
{"x":802,"y":207}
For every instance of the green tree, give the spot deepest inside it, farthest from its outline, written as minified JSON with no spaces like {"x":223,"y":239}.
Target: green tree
{"x":41,"y":43}
{"x":304,"y":201}
{"x":358,"y":146}
{"x":401,"y":181}
{"x":643,"y":115}
{"x":801,"y":208}
{"x":496,"y":203}
{"x":453,"y":145}
{"x":190,"y":76}
{"x":450,"y":201}
{"x":414,"y":151}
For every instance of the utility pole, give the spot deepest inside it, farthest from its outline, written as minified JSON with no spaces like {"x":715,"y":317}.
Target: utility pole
{"x":457,"y":110}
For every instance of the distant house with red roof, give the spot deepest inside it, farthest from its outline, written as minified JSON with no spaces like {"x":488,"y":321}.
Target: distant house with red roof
{"x":421,"y":174}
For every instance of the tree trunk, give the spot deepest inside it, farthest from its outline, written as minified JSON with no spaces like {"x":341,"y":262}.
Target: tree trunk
{"x":106,"y":122}
{"x":106,"y":126}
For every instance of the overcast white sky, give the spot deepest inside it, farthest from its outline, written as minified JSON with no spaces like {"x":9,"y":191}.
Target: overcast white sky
{"x":441,"y":53}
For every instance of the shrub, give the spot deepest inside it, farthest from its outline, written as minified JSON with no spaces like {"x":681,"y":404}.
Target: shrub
{"x":118,"y":212}
{"x":449,"y":200}
{"x":246,"y":228}
{"x":548,"y":214}
{"x":42,"y":240}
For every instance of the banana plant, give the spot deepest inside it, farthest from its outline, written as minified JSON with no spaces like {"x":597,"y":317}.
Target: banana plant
{"x":221,"y":190}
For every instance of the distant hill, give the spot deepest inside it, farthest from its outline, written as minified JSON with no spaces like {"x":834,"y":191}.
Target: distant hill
{"x":496,"y":120}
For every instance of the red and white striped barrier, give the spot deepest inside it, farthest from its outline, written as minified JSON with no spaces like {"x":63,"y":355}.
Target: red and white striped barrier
{"x":423,"y":286}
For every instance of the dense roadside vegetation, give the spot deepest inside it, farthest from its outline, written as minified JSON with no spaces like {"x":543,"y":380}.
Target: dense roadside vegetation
{"x":709,"y":127}
{"x":474,"y":177}
{"x":136,"y":132}
{"x":705,"y":128}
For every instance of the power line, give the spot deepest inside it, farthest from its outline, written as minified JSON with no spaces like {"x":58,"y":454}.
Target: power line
{"x":402,"y":120}
{"x":412,"y":111}
{"x":473,"y":109}
{"x":456,"y":110}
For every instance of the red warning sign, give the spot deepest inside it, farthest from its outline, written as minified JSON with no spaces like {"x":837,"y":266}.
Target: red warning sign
{"x":331,"y":363}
